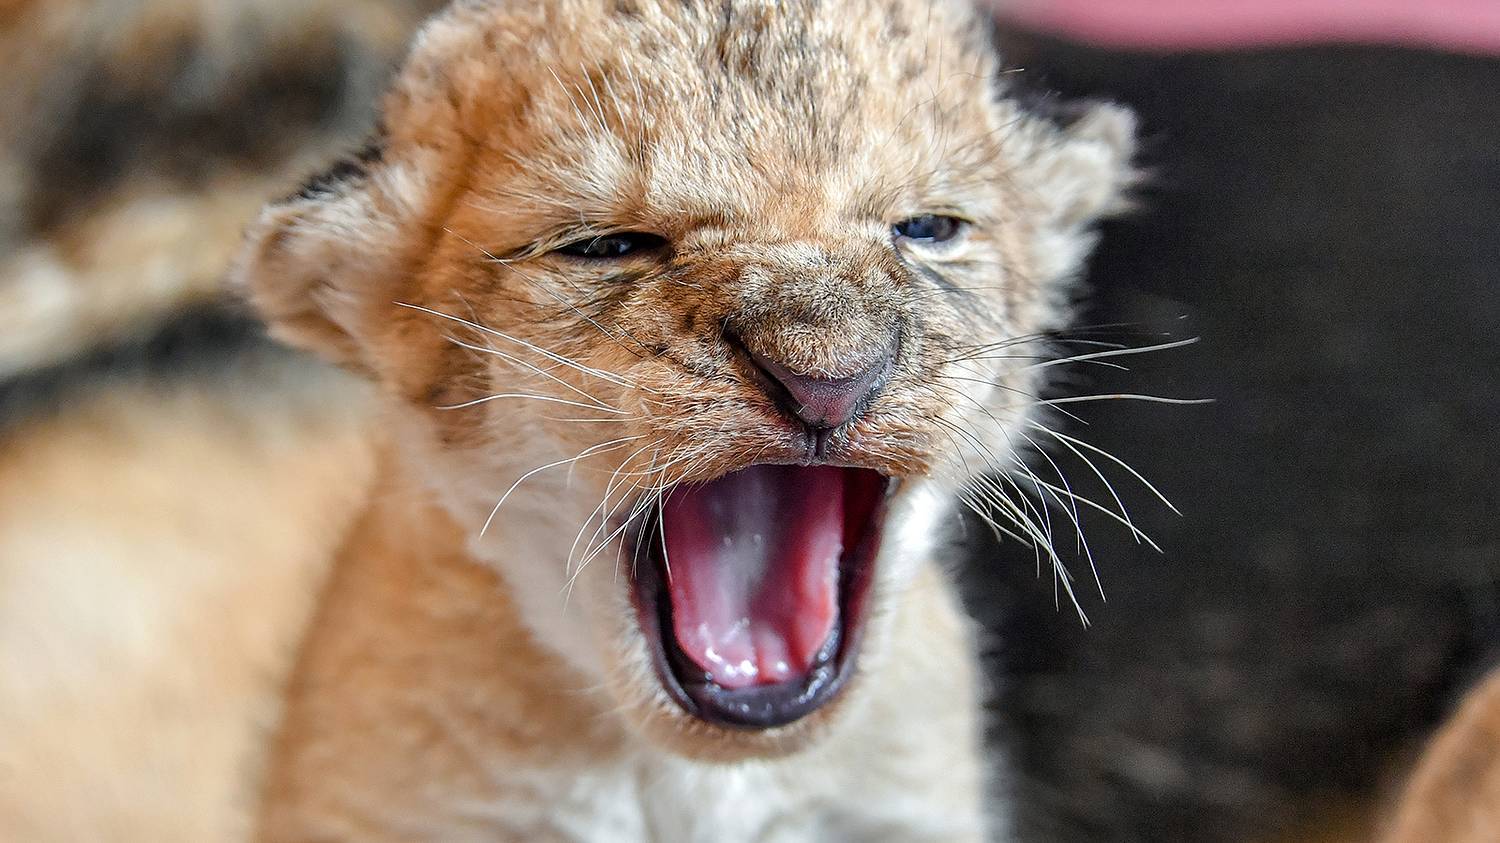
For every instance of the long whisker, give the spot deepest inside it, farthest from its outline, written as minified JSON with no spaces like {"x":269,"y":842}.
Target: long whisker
{"x":1042,"y":533}
{"x":510,"y":358}
{"x":595,"y":549}
{"x":1040,"y":543}
{"x":615,"y":477}
{"x":610,"y":377}
{"x":1117,"y":352}
{"x":1123,"y":396}
{"x":1021,"y":392}
{"x":488,"y":398}
{"x":1082,"y":542}
{"x":1094,"y":468}
{"x":1004,"y":475}
{"x":1112,"y":458}
{"x":1108,"y":512}
{"x":586,"y":452}
{"x":1077,"y":522}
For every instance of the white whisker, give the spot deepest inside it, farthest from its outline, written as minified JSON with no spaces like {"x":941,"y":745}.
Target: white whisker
{"x":509,"y":358}
{"x":584,"y":453}
{"x":488,"y":398}
{"x":1112,"y":458}
{"x":1116,"y":352}
{"x":1122,"y":396}
{"x":610,"y":377}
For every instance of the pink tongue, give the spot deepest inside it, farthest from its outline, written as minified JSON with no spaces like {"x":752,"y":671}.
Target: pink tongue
{"x":752,"y":570}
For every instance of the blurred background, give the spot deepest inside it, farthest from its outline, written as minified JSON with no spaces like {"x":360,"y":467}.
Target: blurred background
{"x":1321,"y":214}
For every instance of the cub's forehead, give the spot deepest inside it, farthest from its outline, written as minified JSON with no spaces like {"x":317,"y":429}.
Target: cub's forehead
{"x":687,"y":105}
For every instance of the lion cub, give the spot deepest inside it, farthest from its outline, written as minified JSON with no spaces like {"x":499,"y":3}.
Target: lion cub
{"x":691,"y":320}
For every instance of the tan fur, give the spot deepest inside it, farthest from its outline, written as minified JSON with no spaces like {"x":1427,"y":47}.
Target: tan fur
{"x":1450,"y":795}
{"x":423,"y":710}
{"x":159,"y":548}
{"x":161,"y":538}
{"x":773,"y":146}
{"x":1454,"y":794}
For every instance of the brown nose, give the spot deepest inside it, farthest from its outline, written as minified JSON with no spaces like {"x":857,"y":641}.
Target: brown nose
{"x":824,"y":403}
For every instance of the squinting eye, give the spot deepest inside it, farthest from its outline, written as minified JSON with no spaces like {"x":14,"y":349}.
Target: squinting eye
{"x":607,"y":246}
{"x":928,"y":228}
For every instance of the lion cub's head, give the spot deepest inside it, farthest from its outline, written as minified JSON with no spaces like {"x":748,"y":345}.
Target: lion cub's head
{"x":693,"y":312}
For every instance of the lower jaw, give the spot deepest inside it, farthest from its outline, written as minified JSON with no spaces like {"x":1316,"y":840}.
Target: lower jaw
{"x":765,"y":707}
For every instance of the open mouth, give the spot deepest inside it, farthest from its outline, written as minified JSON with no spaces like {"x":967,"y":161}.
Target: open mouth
{"x":751,"y":589}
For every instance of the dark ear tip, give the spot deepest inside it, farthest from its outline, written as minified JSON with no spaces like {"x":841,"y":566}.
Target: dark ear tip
{"x":1050,"y":106}
{"x":349,"y":171}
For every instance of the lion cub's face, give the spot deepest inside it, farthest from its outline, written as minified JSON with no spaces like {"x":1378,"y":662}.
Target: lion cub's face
{"x":695,"y":310}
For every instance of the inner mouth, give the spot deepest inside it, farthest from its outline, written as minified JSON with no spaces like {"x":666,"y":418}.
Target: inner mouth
{"x":751,"y":589}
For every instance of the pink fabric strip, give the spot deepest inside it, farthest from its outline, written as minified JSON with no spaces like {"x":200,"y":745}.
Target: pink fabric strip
{"x":1460,"y":25}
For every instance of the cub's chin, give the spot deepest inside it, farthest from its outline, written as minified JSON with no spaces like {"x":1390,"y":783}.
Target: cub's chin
{"x":749,"y":595}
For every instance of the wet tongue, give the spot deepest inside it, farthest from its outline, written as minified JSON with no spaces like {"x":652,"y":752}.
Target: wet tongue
{"x":752,"y":570}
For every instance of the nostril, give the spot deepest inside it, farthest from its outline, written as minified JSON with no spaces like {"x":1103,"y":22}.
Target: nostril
{"x":823,"y":402}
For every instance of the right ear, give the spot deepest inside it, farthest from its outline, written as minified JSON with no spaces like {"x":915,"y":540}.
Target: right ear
{"x":324,"y":266}
{"x":1075,"y":171}
{"x":315,"y":262}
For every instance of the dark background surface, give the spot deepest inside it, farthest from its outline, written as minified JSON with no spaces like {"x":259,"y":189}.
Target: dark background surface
{"x":1327,"y":221}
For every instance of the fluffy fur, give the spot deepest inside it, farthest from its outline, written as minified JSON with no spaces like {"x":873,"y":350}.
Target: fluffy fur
{"x":173,"y":487}
{"x":163,"y":529}
{"x":160,"y":545}
{"x":773,"y":146}
{"x":1454,"y":794}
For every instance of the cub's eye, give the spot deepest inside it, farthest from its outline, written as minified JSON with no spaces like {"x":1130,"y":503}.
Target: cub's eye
{"x":608,"y":246}
{"x":928,"y":228}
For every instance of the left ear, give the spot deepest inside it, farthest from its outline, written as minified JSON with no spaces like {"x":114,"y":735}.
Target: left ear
{"x":1080,"y":170}
{"x":1072,"y":172}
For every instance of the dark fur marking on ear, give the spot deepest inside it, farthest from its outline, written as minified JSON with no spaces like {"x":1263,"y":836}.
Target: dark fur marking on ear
{"x":1034,"y":96}
{"x":343,"y":173}
{"x":1050,"y":106}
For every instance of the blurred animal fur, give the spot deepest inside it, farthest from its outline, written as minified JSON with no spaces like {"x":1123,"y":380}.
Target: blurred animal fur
{"x":168,"y":512}
{"x":136,"y":139}
{"x":173,"y":484}
{"x":1454,"y":794}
